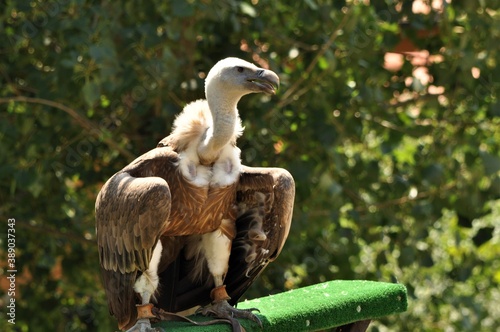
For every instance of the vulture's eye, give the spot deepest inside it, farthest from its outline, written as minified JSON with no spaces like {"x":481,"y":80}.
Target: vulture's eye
{"x":240,"y":69}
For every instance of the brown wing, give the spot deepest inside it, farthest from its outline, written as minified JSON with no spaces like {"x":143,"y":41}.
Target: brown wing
{"x":265,"y":202}
{"x":132,"y":210}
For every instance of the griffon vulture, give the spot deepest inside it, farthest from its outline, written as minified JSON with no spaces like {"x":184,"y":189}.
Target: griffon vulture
{"x":185,"y":224}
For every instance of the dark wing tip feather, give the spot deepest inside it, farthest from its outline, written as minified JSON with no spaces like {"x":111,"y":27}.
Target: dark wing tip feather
{"x":118,"y":286}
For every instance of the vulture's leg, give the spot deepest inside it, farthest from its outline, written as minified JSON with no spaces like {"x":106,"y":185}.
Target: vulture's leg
{"x":217,"y":248}
{"x":146,"y":286}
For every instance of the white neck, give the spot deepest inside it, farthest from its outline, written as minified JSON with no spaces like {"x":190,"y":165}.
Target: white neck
{"x":225,"y":116}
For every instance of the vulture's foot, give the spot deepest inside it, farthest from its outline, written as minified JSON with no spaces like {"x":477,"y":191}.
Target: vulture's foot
{"x":224,"y":310}
{"x":142,"y":325}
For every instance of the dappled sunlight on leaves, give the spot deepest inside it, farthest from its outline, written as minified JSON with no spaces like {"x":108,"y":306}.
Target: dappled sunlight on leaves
{"x":387,"y":116}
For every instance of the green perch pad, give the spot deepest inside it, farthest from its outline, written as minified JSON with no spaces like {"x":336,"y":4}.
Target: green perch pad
{"x":318,"y":307}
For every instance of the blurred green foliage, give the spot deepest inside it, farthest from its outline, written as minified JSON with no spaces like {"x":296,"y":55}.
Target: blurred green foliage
{"x":397,"y":178}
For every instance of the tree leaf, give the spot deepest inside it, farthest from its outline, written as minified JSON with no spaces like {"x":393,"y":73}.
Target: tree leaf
{"x":91,"y":93}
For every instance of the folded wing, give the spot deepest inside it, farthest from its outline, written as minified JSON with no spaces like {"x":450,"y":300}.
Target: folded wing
{"x":132,"y":210}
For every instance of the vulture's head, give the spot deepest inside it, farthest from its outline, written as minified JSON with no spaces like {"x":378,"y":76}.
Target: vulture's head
{"x":236,"y":77}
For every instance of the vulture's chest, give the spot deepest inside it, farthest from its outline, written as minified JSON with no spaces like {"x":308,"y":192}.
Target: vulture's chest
{"x":204,"y":195}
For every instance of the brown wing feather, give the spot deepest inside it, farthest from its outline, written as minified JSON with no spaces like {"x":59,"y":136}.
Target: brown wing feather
{"x":132,"y":210}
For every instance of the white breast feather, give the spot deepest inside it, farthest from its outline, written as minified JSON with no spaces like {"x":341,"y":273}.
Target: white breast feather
{"x":226,"y":169}
{"x":191,"y":168}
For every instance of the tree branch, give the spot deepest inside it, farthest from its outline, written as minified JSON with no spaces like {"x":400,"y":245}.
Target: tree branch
{"x":81,"y":120}
{"x":406,"y":199}
{"x":313,"y":63}
{"x":54,"y":232}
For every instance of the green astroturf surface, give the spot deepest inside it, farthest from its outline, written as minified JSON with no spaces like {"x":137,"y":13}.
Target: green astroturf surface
{"x":316,"y":307}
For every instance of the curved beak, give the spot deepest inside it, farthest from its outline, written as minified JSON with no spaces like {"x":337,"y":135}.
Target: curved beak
{"x":265,"y":80}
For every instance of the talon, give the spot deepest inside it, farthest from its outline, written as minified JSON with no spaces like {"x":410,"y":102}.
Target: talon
{"x":252,"y":309}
